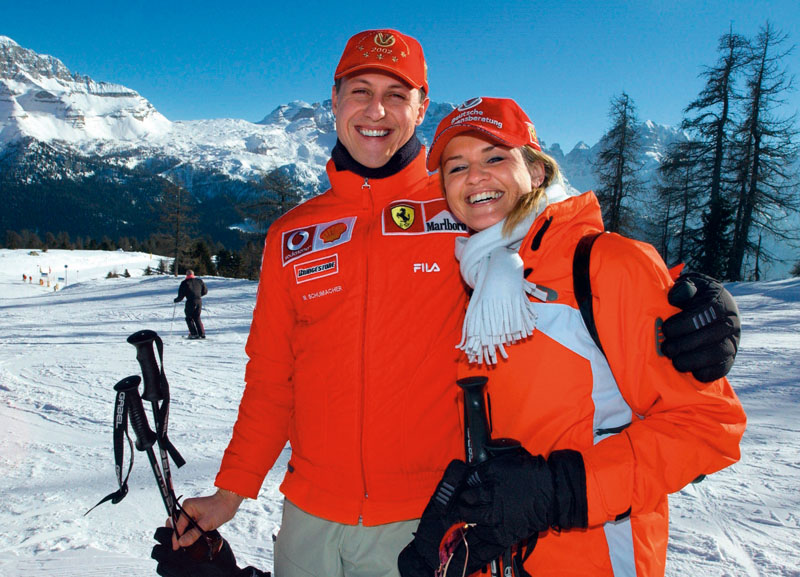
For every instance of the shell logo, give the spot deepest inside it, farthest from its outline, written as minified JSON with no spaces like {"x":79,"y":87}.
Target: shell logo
{"x":333,"y":232}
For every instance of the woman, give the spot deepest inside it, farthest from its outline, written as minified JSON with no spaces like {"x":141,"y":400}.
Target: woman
{"x":605,"y":437}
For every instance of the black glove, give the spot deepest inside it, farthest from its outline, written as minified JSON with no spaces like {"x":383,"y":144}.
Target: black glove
{"x":176,"y":299}
{"x":704,"y":337}
{"x":182,"y":563}
{"x":515,"y":496}
{"x":420,"y":558}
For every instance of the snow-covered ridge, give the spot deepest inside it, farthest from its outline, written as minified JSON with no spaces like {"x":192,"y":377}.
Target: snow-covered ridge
{"x":41,"y":98}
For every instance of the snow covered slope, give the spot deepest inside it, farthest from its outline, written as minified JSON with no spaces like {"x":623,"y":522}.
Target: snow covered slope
{"x":62,"y":351}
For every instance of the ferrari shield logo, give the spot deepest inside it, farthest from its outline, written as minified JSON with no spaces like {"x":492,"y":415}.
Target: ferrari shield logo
{"x":403,"y":216}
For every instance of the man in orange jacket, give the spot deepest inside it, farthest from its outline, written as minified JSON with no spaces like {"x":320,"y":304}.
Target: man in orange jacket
{"x":352,"y":354}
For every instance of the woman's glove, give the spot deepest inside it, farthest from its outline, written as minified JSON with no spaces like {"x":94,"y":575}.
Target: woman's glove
{"x":704,"y":337}
{"x":181,"y":563}
{"x":515,"y":496}
{"x":420,"y":558}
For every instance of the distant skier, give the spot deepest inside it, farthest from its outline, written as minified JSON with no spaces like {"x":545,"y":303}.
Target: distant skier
{"x":193,"y":289}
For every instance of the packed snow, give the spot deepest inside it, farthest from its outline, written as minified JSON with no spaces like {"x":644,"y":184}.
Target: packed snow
{"x":61,"y":352}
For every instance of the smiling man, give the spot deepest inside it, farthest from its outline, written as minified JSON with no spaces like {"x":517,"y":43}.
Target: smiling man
{"x":352,"y":355}
{"x":352,"y":346}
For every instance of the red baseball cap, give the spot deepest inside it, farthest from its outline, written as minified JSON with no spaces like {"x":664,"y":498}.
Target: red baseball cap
{"x":387,"y":50}
{"x":501,"y":119}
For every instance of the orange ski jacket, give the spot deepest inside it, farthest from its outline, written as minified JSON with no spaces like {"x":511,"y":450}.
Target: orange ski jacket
{"x":352,"y":353}
{"x":644,"y":429}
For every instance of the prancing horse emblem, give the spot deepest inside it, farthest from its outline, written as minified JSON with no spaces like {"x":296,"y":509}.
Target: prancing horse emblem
{"x":403,"y":216}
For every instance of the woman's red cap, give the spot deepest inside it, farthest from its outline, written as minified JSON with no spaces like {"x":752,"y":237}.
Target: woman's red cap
{"x":501,"y":119}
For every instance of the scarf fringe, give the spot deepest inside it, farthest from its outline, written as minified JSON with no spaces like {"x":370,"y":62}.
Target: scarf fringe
{"x":494,"y":323}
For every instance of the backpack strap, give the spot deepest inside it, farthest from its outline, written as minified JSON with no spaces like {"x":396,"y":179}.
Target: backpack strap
{"x":582,"y":285}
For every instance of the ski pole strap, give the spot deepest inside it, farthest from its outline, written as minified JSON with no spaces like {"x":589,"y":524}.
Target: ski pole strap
{"x":120,"y":433}
{"x":161,"y":414}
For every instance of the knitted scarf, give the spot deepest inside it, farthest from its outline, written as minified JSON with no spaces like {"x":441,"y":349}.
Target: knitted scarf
{"x":499,"y":311}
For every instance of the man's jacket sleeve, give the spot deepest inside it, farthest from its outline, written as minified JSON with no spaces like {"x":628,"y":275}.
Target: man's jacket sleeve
{"x":261,"y":429}
{"x":681,"y":428}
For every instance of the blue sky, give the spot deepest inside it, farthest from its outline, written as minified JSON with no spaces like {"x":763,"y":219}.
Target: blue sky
{"x":562,"y":61}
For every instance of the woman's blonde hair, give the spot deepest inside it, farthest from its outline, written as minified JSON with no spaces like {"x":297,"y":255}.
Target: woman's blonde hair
{"x":527,"y":203}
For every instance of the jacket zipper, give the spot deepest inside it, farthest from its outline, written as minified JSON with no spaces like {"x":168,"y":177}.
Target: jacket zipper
{"x":368,"y":191}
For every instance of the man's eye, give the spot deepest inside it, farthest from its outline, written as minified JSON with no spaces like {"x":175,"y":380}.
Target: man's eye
{"x":457,"y":168}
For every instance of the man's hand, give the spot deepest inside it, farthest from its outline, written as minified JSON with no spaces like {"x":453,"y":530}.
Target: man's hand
{"x":208,"y":512}
{"x":704,"y":337}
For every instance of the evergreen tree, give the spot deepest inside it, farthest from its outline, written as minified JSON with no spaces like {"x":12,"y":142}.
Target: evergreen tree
{"x":228,"y":263}
{"x":14,"y":239}
{"x":711,"y":126}
{"x":763,"y":153}
{"x":277,"y":193}
{"x":251,"y":260}
{"x":200,"y":259}
{"x":679,"y":192}
{"x":177,"y":219}
{"x":616,"y":166}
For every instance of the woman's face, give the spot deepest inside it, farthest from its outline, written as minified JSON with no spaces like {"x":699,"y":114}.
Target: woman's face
{"x":483,"y":180}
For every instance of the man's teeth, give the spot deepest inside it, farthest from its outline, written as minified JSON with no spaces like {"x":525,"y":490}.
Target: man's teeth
{"x":367,"y":132}
{"x":482,"y":196}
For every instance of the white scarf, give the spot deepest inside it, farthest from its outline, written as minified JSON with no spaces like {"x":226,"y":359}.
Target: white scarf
{"x":499,"y":311}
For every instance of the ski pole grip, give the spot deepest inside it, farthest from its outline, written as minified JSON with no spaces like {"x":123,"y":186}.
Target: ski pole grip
{"x":129,"y":387}
{"x":476,"y":422}
{"x":143,"y":341}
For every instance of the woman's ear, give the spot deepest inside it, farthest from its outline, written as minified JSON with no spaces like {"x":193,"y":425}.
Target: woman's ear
{"x":537,"y":173}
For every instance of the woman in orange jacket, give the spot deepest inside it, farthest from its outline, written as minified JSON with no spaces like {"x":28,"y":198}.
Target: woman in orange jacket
{"x":607,"y":433}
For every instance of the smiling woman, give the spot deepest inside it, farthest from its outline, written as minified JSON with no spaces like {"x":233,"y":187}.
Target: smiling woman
{"x":604,"y":434}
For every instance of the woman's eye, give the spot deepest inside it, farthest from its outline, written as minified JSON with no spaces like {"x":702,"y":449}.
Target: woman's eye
{"x":495,"y":159}
{"x":454,"y":169}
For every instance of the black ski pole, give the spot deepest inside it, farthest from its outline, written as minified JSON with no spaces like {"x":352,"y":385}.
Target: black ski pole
{"x":145,"y":438}
{"x":478,"y":443}
{"x":156,"y":389}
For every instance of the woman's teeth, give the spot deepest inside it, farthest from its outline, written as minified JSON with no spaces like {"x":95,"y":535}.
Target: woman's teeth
{"x":484,"y":196}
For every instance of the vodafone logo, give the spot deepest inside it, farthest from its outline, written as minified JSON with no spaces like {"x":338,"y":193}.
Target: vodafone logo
{"x":471,"y":103}
{"x":297,"y":240}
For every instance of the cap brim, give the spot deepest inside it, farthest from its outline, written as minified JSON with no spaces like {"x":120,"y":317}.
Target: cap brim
{"x":446,"y":135}
{"x":380,"y":68}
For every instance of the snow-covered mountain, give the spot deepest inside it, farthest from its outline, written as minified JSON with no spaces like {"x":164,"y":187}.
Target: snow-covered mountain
{"x":60,"y":126}
{"x":42,"y":100}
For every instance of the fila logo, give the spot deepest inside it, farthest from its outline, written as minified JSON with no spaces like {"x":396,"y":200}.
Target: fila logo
{"x":426,"y":267}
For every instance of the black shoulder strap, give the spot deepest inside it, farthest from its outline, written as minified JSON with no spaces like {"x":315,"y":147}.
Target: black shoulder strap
{"x":582,"y":285}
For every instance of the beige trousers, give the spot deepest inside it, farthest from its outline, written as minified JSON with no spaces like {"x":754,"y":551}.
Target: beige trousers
{"x":307,"y":545}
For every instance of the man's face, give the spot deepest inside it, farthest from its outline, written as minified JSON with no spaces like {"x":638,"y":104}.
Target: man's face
{"x":376,"y":114}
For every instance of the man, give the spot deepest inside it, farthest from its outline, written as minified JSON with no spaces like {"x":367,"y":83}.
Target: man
{"x":193,"y":289}
{"x":352,"y":345}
